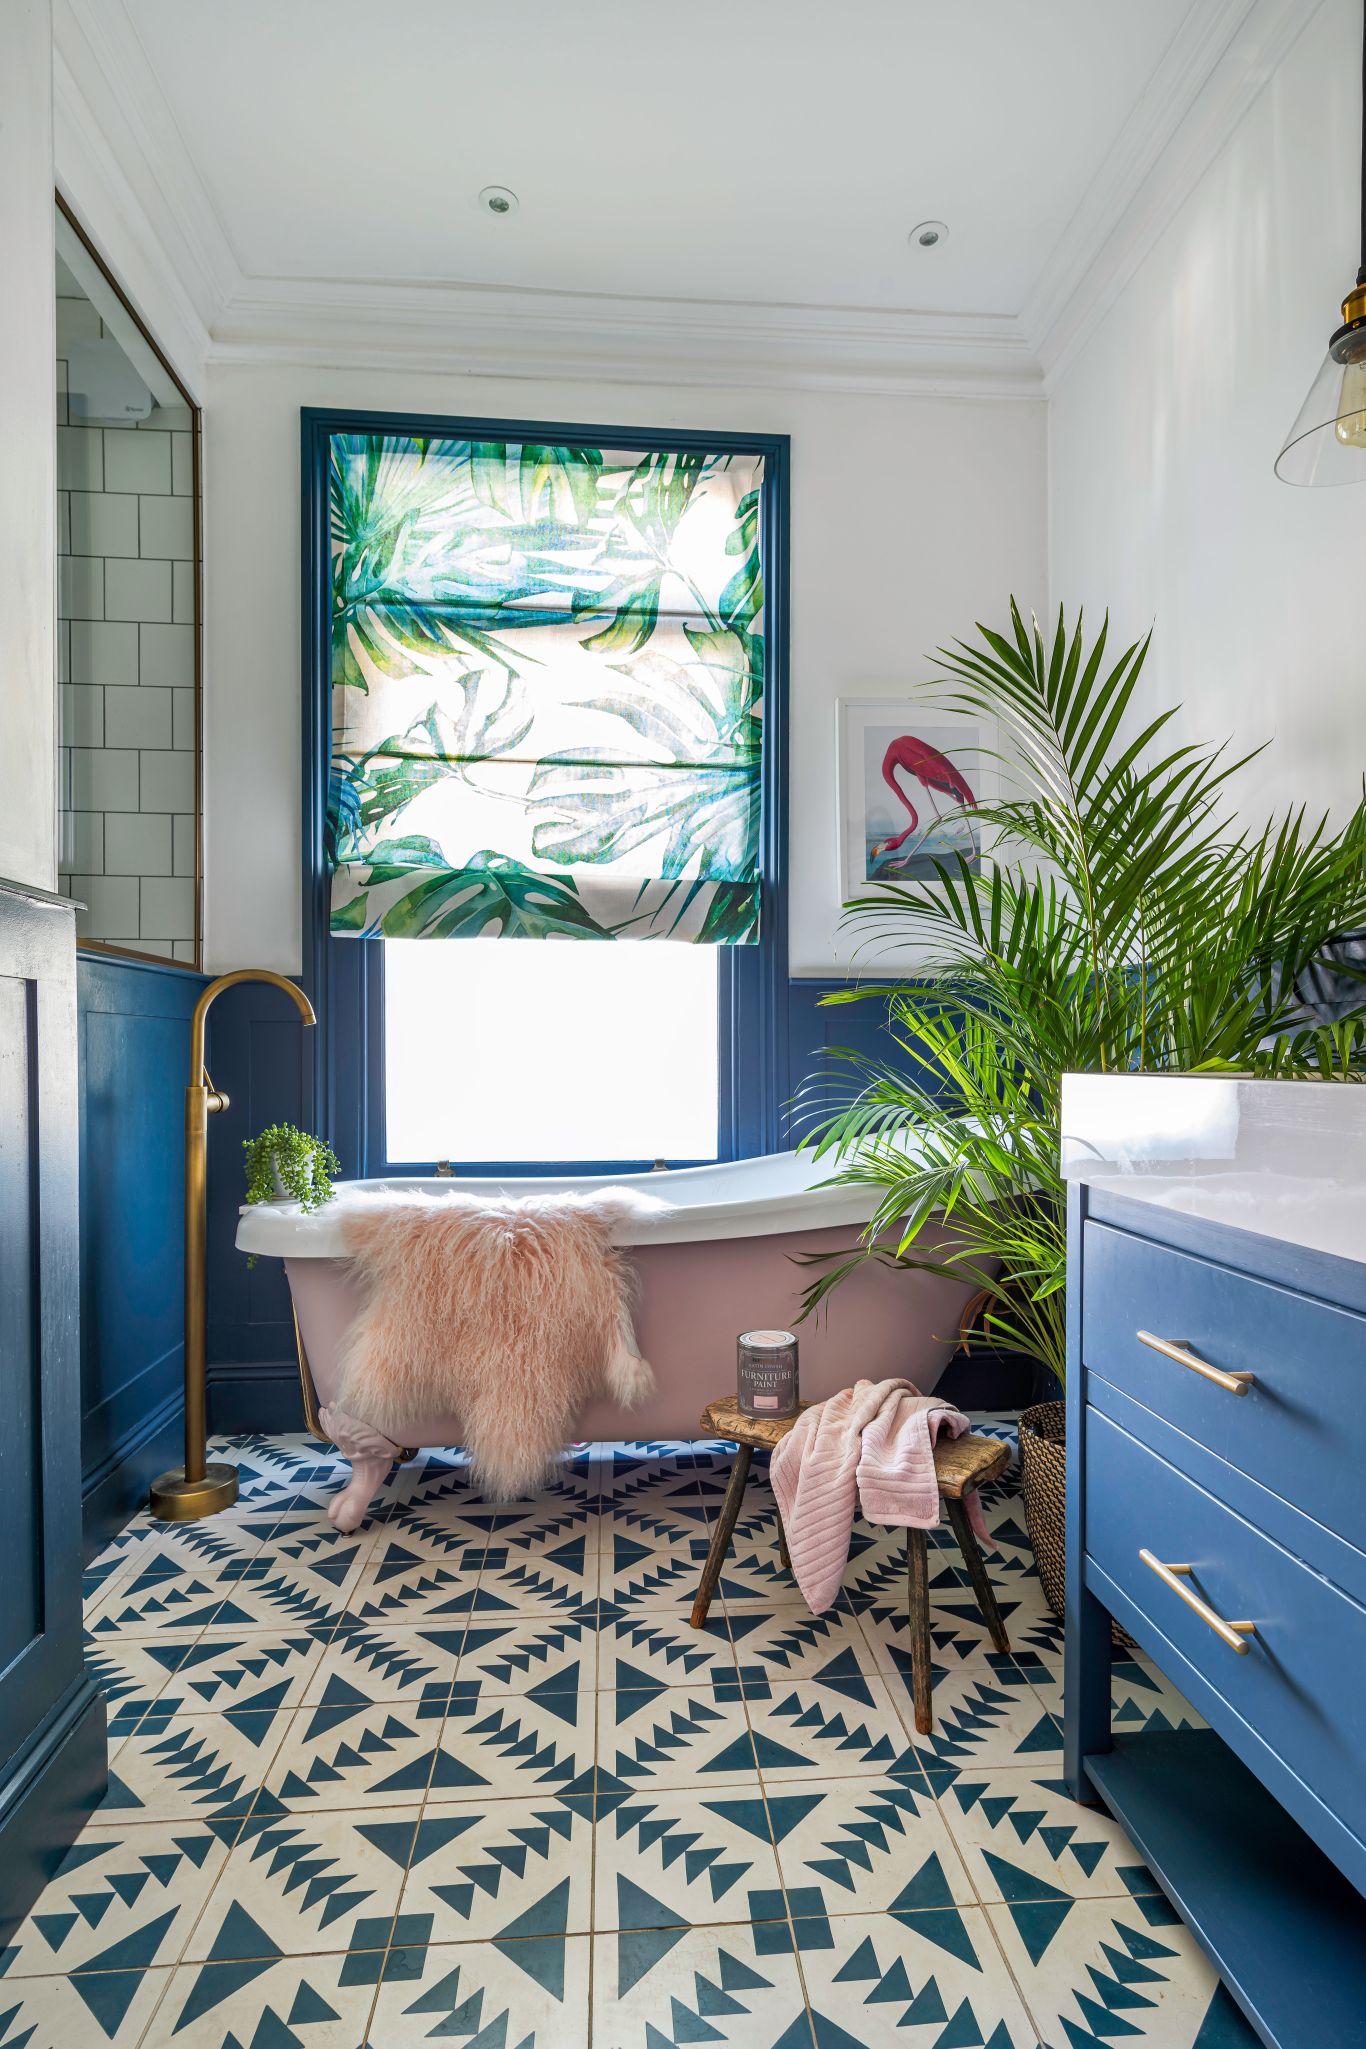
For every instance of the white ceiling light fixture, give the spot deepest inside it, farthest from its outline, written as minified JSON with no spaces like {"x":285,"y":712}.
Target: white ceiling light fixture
{"x":1327,"y":444}
{"x":499,"y":201}
{"x":928,"y":235}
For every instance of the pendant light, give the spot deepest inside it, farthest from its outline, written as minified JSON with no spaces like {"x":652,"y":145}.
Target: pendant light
{"x":1327,"y":444}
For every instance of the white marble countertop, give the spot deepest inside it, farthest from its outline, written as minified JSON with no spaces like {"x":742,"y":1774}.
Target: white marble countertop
{"x":1286,"y":1159}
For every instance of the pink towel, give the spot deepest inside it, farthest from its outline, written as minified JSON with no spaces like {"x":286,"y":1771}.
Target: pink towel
{"x":876,"y":1438}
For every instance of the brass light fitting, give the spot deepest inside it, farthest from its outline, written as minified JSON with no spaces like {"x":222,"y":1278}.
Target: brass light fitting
{"x":198,"y":1488}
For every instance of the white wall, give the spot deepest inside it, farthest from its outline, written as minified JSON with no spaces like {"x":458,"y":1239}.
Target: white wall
{"x":911,"y":518}
{"x":1163,"y":434}
{"x":28,"y":439}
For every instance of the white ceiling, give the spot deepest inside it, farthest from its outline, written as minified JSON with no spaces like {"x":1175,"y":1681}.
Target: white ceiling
{"x":771,"y":151}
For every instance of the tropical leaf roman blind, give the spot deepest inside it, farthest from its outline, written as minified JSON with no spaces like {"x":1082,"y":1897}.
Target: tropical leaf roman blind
{"x":547,"y":691}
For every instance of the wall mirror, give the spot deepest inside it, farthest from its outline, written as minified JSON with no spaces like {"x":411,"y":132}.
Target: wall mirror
{"x":128,"y":621}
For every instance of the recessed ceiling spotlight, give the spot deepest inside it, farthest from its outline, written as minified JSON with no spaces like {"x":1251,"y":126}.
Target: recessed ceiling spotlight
{"x":928,"y":235}
{"x":497,"y":200}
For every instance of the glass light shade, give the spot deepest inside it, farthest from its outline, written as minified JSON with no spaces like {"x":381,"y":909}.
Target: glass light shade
{"x":1327,"y":444}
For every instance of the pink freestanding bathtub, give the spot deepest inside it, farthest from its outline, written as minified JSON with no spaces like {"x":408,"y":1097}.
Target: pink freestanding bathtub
{"x":722,"y":1259}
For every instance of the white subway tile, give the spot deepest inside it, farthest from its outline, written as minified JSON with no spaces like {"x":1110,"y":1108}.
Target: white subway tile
{"x":80,"y":714}
{"x":80,"y":586}
{"x":80,"y":458}
{"x":166,"y":417}
{"x":137,"y":462}
{"x":182,"y":732}
{"x":105,"y":779}
{"x":103,"y":523}
{"x":164,"y":948}
{"x":167,"y":658}
{"x":63,"y":650}
{"x":104,"y":651}
{"x":182,"y":465}
{"x":136,"y":843}
{"x":184,"y":950}
{"x":111,"y":905}
{"x":167,"y":908}
{"x":85,"y":837}
{"x":138,"y":718}
{"x":167,"y":781}
{"x":64,"y":525}
{"x":137,"y":590}
{"x":183,"y":606}
{"x":167,"y":528}
{"x":183,"y":842}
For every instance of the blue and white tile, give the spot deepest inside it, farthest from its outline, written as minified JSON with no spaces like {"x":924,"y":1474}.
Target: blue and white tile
{"x":682,"y":1858}
{"x":400,"y":1587}
{"x":209,"y":1768}
{"x":514,"y":1653}
{"x":776,"y":1647}
{"x":532,"y":1993}
{"x":480,"y":1868}
{"x":314,"y":1883}
{"x":438,"y":1534}
{"x":132,"y":1673}
{"x":250,"y":1671}
{"x":637,"y":1575}
{"x":110,"y":2009}
{"x":404,"y":1662}
{"x":348,"y":1752}
{"x":318,"y":2002}
{"x":281,"y":1594}
{"x":738,"y":1985}
{"x":953,"y":1642}
{"x":926,"y":1976}
{"x":754,"y":1575}
{"x":1095,"y":1971}
{"x":646,"y":1649}
{"x":816,"y":1732}
{"x":980,"y":1718}
{"x":551,"y":1582}
{"x":1142,"y":1699}
{"x":505,"y":1745}
{"x":1023,"y":1837}
{"x":144,"y":1604}
{"x":124,"y":1898}
{"x":678,"y":1736}
{"x":865,"y":1845}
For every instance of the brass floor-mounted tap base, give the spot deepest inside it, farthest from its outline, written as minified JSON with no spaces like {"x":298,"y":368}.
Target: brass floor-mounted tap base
{"x":178,"y":1500}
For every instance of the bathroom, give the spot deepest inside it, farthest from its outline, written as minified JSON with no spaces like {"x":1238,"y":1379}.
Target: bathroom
{"x":433,"y":520}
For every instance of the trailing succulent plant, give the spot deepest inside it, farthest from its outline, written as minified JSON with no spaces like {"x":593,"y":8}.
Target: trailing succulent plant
{"x":284,"y":1164}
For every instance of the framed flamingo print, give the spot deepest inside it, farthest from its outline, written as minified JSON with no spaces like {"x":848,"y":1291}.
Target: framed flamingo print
{"x":908,"y":777}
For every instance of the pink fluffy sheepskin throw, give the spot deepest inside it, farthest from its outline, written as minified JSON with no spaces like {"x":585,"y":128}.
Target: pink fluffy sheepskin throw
{"x":511,"y":1316}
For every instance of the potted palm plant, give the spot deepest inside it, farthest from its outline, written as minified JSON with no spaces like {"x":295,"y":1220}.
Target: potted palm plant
{"x":1126,"y":919}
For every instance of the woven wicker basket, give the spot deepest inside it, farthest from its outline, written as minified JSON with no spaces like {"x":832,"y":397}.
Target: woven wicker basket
{"x":1043,"y":1470}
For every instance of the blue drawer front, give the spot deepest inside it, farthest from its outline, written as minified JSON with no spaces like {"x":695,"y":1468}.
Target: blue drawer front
{"x":1292,"y":1430}
{"x":1302,"y":1685}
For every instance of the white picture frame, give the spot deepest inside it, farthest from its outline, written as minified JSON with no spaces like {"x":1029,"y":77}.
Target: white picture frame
{"x":891,"y":805}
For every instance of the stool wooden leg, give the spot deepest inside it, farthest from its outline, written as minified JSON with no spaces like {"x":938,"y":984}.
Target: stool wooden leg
{"x":977,"y":1573}
{"x":782,"y":1546}
{"x":720,"y":1543}
{"x":918,"y":1599}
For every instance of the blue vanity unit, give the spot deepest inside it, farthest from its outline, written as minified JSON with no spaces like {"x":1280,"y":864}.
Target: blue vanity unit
{"x":1216,"y":1420}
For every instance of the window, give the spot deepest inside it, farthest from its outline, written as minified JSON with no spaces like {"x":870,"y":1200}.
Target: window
{"x":515,"y":1052}
{"x":544,"y":699}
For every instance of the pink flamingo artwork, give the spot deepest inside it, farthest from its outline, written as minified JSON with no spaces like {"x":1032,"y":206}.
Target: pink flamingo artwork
{"x":935,"y":774}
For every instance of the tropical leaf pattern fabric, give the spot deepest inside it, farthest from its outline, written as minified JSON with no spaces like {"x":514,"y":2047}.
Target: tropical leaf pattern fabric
{"x":547,"y":672}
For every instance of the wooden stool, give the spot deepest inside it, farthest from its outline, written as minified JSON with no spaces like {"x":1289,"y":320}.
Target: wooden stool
{"x":960,"y":1464}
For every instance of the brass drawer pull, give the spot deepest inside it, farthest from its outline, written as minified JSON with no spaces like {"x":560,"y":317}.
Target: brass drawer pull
{"x":1234,"y":1634}
{"x":1232,"y":1383}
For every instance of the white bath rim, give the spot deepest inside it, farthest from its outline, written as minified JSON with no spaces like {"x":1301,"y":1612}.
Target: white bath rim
{"x":757,"y":1198}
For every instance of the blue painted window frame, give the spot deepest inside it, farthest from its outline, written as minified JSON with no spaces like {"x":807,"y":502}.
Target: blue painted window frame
{"x":345,"y":977}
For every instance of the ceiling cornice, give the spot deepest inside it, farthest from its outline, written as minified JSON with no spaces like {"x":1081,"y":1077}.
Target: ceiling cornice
{"x":1210,"y":74}
{"x":495,"y":331}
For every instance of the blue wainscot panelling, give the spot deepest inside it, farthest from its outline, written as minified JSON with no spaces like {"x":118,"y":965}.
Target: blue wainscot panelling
{"x":134,"y":1042}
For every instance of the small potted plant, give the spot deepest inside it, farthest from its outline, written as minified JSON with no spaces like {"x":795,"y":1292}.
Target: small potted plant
{"x":284,"y":1164}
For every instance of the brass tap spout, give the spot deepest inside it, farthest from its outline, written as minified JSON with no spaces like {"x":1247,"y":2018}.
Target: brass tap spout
{"x":197,"y":1489}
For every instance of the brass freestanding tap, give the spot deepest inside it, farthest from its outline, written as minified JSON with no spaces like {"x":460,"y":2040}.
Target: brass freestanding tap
{"x":196,"y":1488}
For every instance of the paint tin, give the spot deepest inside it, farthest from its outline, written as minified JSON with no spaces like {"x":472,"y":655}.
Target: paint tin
{"x":766,"y":1382}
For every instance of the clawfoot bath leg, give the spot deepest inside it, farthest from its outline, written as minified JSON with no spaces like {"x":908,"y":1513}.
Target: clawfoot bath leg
{"x":371,"y":1455}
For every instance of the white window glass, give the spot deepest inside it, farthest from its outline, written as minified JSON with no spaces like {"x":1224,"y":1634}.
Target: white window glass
{"x":505,"y":1049}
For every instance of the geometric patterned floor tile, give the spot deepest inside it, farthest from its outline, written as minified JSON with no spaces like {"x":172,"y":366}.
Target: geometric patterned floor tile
{"x":405,"y":1587}
{"x":249,"y":1671}
{"x":830,"y":1731}
{"x":290,"y":1593}
{"x":207,"y":1768}
{"x":410,"y":1662}
{"x":867,"y":1845}
{"x":306,"y":1884}
{"x":1024,"y":1838}
{"x":232,"y":2003}
{"x":1142,"y":1699}
{"x":641,"y":1647}
{"x":738,"y":1986}
{"x":143,"y":1604}
{"x":496,"y":1746}
{"x":513,"y":1994}
{"x":489,"y":1870}
{"x":131,"y":1672}
{"x":928,"y":1977}
{"x":553,"y":1581}
{"x":675,"y":1736}
{"x":679,"y":1860}
{"x":1097,"y":1972}
{"x":350,"y":1752}
{"x":124,"y":1898}
{"x":95,"y":2010}
{"x":981,"y":1719}
{"x":646,"y":1576}
{"x":514,"y":1653}
{"x":775,"y":1646}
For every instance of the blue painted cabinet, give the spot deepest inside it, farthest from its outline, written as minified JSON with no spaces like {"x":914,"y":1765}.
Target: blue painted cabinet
{"x":52,"y":1731}
{"x":1216,"y":1510}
